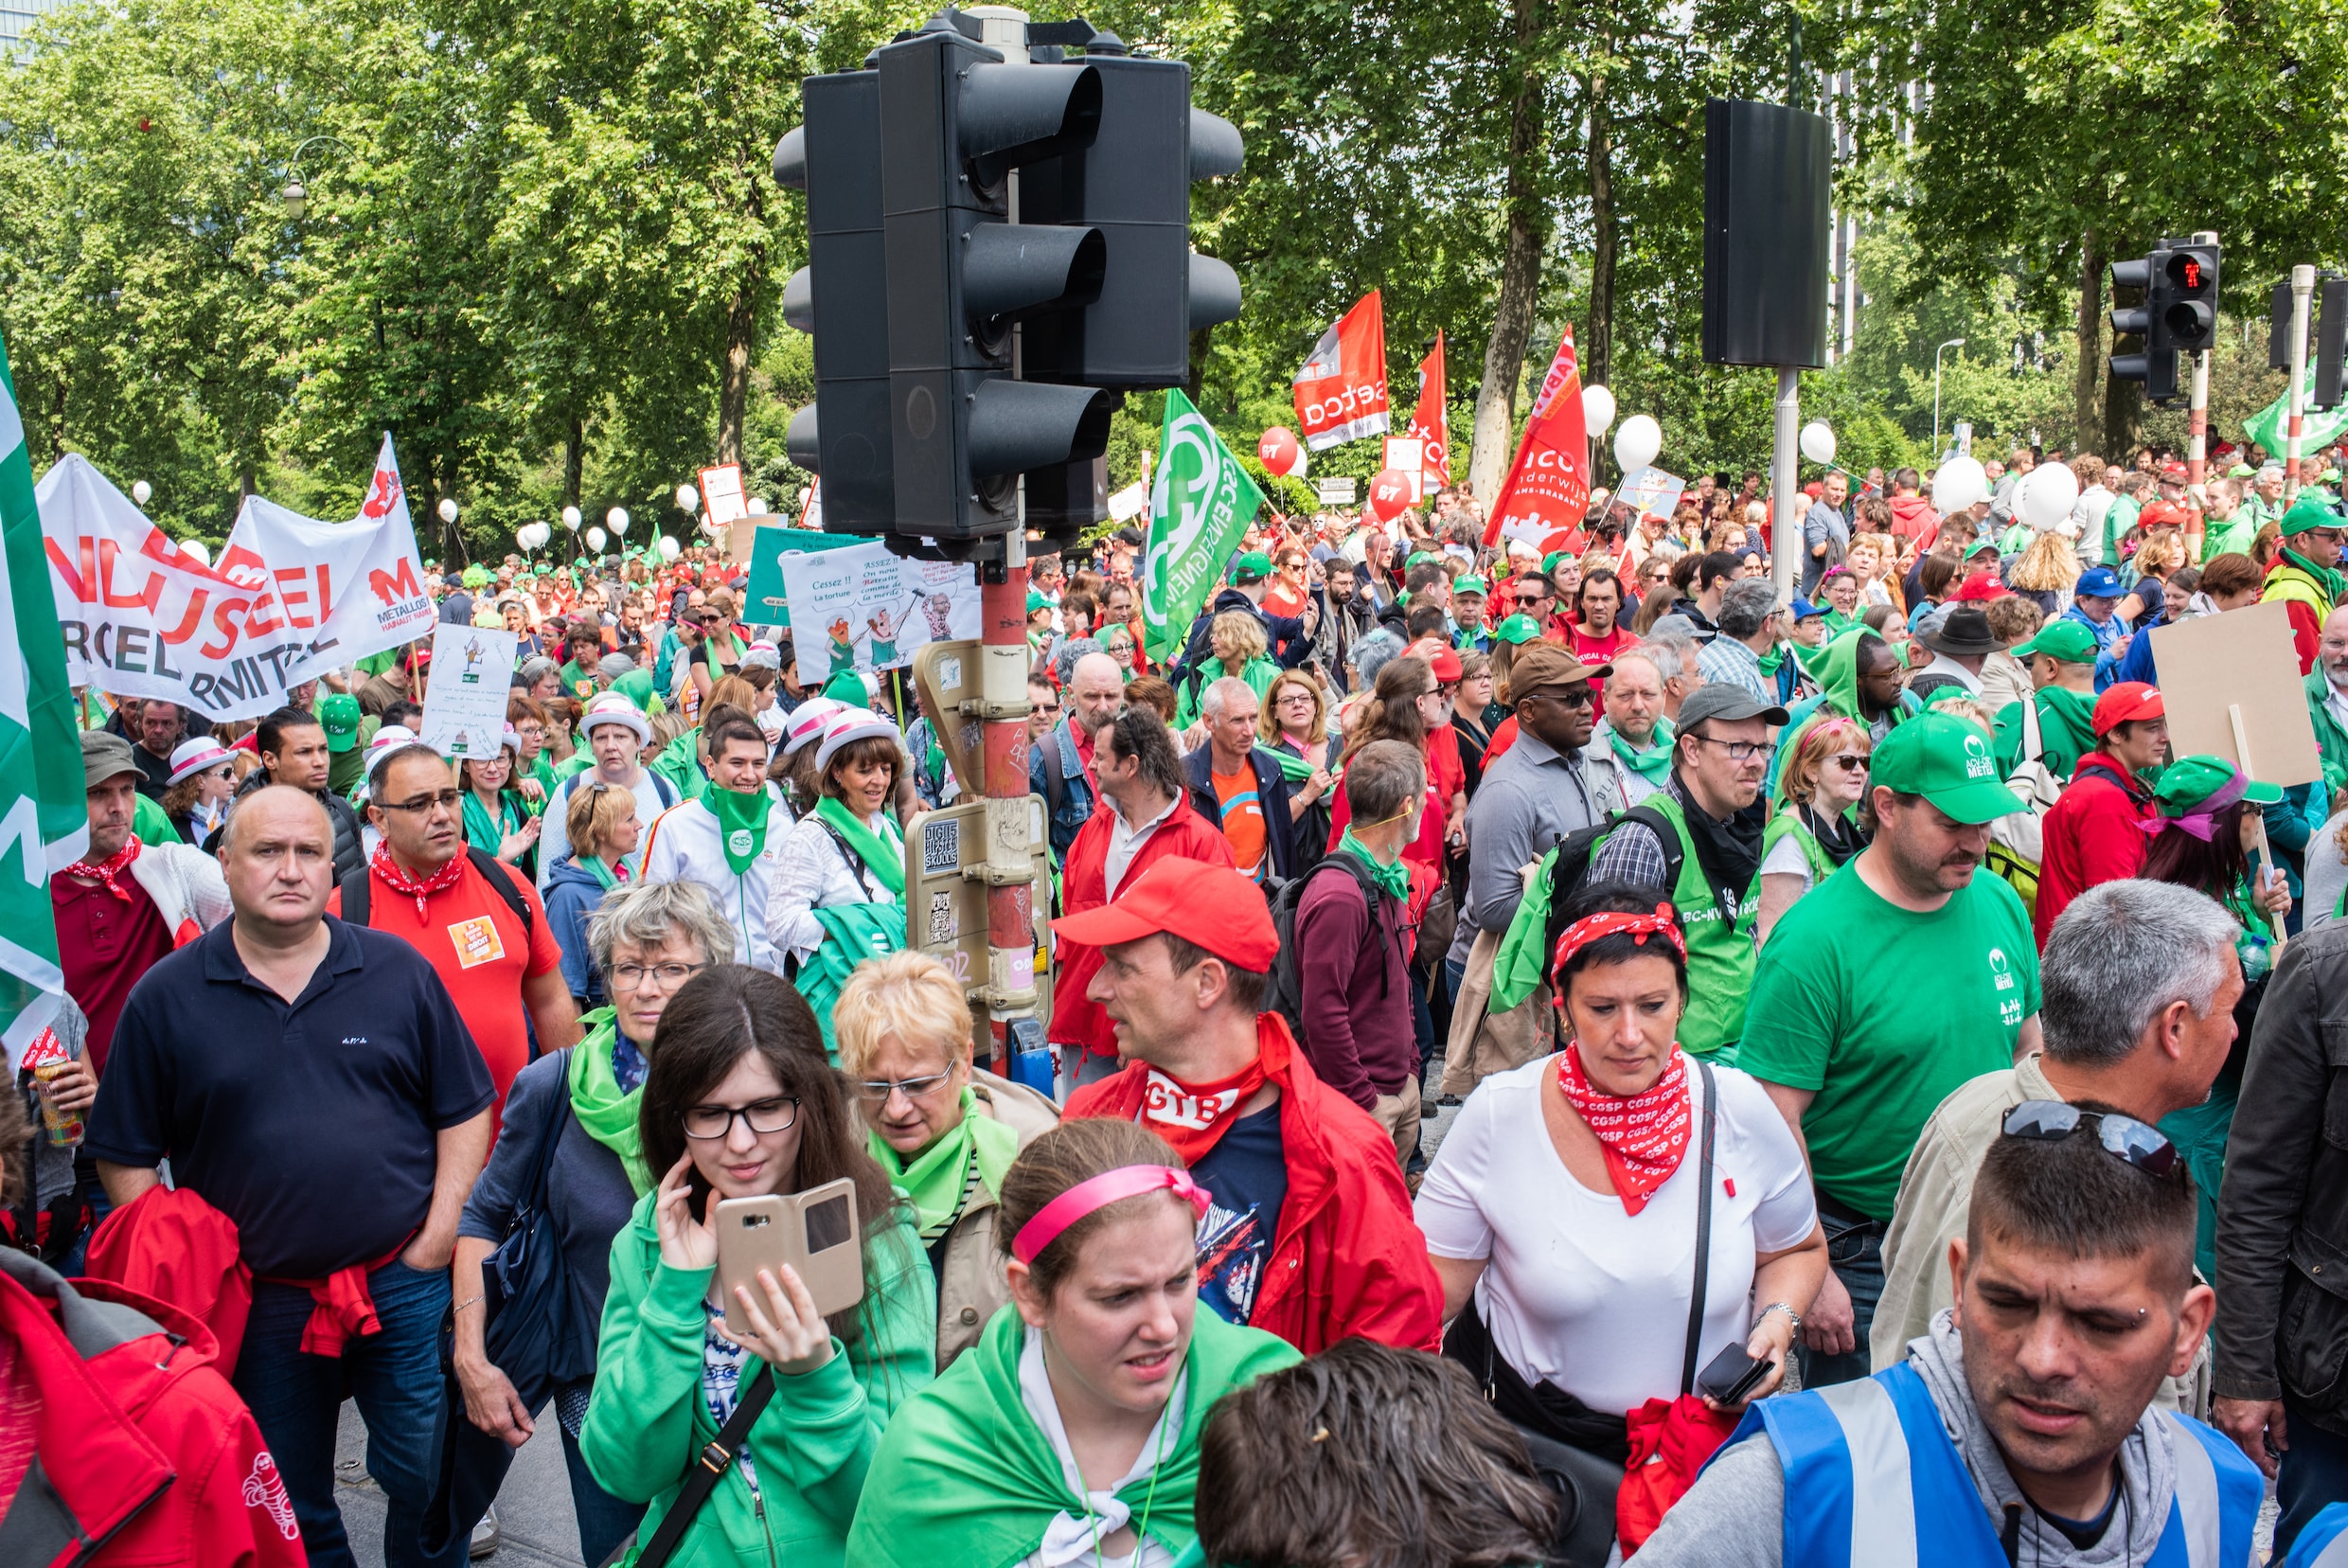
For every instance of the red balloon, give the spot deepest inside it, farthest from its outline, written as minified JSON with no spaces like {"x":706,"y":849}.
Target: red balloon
{"x":1390,"y":493}
{"x":1278,"y":449}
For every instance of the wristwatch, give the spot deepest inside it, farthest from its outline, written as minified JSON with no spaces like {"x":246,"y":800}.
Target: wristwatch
{"x":1791,"y":1316}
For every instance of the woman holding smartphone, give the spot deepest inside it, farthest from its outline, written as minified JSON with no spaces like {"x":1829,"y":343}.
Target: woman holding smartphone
{"x":742,"y":1103}
{"x":1071,"y":1432}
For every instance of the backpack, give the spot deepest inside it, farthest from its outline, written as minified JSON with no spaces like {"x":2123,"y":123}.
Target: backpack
{"x":358,"y":901}
{"x":1578,"y":849}
{"x":1285,"y":989}
{"x":2017,"y":840}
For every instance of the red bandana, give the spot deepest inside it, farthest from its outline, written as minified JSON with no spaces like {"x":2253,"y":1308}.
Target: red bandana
{"x":110,"y":868}
{"x":1663,"y":922}
{"x":420,"y":888}
{"x":1642,"y":1135}
{"x":1194,"y":1117}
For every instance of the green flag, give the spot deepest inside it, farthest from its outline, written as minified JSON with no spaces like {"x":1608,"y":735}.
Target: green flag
{"x":1201,"y":502}
{"x":44,"y":822}
{"x":2270,"y":427}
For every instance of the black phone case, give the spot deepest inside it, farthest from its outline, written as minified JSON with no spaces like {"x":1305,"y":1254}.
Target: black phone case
{"x":1730,"y":1375}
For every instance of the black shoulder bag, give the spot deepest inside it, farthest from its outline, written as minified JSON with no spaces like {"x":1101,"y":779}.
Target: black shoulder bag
{"x":709,"y":1469}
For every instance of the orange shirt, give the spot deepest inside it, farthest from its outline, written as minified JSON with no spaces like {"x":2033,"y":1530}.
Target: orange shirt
{"x":1243,"y":820}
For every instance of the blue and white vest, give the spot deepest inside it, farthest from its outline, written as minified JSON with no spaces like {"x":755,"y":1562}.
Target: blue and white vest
{"x":1871,"y":1477}
{"x":2325,"y":1542}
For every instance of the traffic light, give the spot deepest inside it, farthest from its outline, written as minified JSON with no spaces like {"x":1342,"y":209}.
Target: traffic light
{"x":2185,"y":297}
{"x":2278,"y":327}
{"x":2156,"y":364}
{"x":2331,"y":335}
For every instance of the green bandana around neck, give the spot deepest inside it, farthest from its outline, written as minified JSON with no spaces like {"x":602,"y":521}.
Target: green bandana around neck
{"x":609,"y":1116}
{"x":1654,"y":764}
{"x":936,"y":1178}
{"x":2335,"y":585}
{"x":605,"y":878}
{"x":882,"y":854}
{"x":741,"y":824}
{"x":1393,"y":880}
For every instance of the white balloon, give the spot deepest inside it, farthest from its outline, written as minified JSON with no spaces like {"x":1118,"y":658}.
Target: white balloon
{"x":1958,"y":483}
{"x":197,"y":548}
{"x":448,"y":509}
{"x":1638,"y":443}
{"x":1597,"y":409}
{"x":670,"y":548}
{"x":617,"y":519}
{"x":141,"y":490}
{"x":757,"y":506}
{"x":688,"y":498}
{"x":2047,"y":496}
{"x":1817,"y":441}
{"x":595,"y":539}
{"x":570,"y":518}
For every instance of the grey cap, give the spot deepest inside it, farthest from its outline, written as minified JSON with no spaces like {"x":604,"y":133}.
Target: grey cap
{"x":103,"y":756}
{"x":613,"y":665}
{"x":537,"y":668}
{"x":1727,"y":701}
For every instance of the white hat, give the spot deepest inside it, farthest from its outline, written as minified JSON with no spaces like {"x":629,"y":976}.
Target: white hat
{"x":387,"y":739}
{"x":850,"y":724}
{"x":762,"y":655}
{"x":613,"y":707}
{"x":190,"y":758}
{"x":806,"y":723}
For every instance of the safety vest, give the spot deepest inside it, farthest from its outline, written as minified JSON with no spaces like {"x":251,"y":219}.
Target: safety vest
{"x":1873,"y":1481}
{"x":1785,"y":825}
{"x":2323,"y":1544}
{"x":1720,"y":948}
{"x":2288,"y":582}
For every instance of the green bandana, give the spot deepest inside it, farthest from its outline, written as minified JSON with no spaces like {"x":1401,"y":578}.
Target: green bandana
{"x":937,"y":1176}
{"x":2335,"y":585}
{"x":1393,"y":880}
{"x":483,"y":831}
{"x":595,"y":868}
{"x":609,"y":1116}
{"x":882,"y":852}
{"x":1654,"y":764}
{"x":741,"y":825}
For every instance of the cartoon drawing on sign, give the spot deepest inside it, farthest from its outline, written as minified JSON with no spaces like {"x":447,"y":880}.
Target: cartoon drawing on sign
{"x":843,"y":643}
{"x":884,"y":624}
{"x":474,"y":652}
{"x":939,"y":610}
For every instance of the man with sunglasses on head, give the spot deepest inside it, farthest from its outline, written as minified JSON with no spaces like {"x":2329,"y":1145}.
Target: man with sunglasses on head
{"x":2139,"y":982}
{"x":2021,"y":1427}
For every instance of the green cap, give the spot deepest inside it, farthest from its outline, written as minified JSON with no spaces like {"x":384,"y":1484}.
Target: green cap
{"x":2064,"y":639}
{"x":1945,"y":760}
{"x":2308,"y":514}
{"x":1549,"y":561}
{"x":1037,"y":602}
{"x":1471,"y":584}
{"x":1252,"y":567}
{"x":2188,"y":783}
{"x":1415,"y":556}
{"x":1518,"y":629}
{"x":2329,"y":476}
{"x":2240,"y":470}
{"x":338,"y":715}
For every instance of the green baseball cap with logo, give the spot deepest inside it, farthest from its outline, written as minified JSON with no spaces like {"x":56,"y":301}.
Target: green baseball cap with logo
{"x":338,"y":715}
{"x":1252,"y":567}
{"x":1471,"y":584}
{"x":1518,"y":629}
{"x":2067,"y":640}
{"x":2309,"y":513}
{"x":2202,"y":783}
{"x":1947,"y":760}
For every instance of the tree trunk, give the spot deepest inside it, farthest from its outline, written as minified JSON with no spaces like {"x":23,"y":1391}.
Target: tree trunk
{"x":1598,"y":357}
{"x":741,"y":326}
{"x":574,"y":461}
{"x":1520,"y":274}
{"x":2091,"y":340}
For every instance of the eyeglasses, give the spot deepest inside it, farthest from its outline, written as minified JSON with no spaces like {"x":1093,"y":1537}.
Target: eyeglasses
{"x":2141,"y":1144}
{"x":1739,"y":751}
{"x":445,"y":799}
{"x":709,"y":1123}
{"x":1849,"y":761}
{"x":632,"y":976}
{"x":877,"y":1090}
{"x":1305,"y":698}
{"x":1445,"y":689}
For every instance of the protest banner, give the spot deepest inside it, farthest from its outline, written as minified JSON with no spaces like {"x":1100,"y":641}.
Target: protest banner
{"x":1200,"y":506}
{"x":472,"y":670}
{"x":1651,"y":489}
{"x":764,"y":601}
{"x":1340,"y":390}
{"x":723,"y":500}
{"x":862,"y":608}
{"x":1547,"y":490}
{"x":289,"y":597}
{"x":1432,"y":423}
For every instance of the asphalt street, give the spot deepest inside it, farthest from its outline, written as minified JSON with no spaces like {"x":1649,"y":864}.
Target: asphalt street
{"x":533,"y":1509}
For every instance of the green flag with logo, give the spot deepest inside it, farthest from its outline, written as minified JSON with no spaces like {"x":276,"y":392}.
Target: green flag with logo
{"x":44,"y":819}
{"x":2270,"y":427}
{"x":1199,"y":505}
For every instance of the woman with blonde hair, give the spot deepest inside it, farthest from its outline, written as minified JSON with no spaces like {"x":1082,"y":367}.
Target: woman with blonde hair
{"x":604,"y":832}
{"x":1237,"y":647}
{"x":1818,"y":824}
{"x":944,"y":1129}
{"x":1292,"y":724}
{"x":2046,"y":571}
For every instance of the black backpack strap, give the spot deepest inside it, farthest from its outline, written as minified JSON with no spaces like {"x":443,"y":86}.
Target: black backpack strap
{"x":858,"y":866}
{"x":497,"y":875}
{"x":357,"y":901}
{"x":708,"y":1469}
{"x":1703,"y":1234}
{"x":1055,"y":781}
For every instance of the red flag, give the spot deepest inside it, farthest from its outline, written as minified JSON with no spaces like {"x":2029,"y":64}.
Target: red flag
{"x":1341,"y":392}
{"x":1548,"y":486}
{"x":1431,"y":423}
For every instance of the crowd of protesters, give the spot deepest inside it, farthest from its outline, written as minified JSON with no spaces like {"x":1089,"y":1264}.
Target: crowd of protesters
{"x":1548,"y":1056}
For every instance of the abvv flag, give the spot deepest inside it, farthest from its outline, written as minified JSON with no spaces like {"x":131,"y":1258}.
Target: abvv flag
{"x":1199,"y":508}
{"x":1548,"y":486}
{"x":1431,"y":423}
{"x":1340,"y":393}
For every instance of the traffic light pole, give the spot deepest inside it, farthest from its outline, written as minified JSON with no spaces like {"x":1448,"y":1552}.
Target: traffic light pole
{"x":2303,"y":292}
{"x":1011,"y":891}
{"x":1785,"y":546}
{"x":2197,"y":427}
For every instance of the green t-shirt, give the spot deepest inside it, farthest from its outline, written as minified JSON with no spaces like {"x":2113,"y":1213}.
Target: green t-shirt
{"x":2235,"y":534}
{"x":1882,"y":1012}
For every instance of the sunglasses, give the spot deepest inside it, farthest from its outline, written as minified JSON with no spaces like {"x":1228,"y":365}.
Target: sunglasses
{"x":1849,"y":761}
{"x":2141,"y":1144}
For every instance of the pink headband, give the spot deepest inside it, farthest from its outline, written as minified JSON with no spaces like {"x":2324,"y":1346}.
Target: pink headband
{"x":1099,"y":1192}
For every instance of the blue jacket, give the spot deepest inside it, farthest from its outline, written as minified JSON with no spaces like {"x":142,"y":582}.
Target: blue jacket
{"x":571,"y":896}
{"x":1272,"y":791}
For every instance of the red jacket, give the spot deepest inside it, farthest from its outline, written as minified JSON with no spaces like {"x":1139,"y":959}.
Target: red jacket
{"x":1077,"y":1020}
{"x":1347,"y":1257}
{"x":1913,"y":517}
{"x":2091,"y":836}
{"x":149,"y":1456}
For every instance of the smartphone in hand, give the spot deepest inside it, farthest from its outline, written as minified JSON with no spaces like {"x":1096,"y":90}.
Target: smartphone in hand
{"x":814,"y":1232}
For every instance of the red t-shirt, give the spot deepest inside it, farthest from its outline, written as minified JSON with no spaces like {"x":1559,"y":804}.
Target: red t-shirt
{"x":473,"y":942}
{"x":1594,"y":651}
{"x":104,"y":946}
{"x":1446,"y":776}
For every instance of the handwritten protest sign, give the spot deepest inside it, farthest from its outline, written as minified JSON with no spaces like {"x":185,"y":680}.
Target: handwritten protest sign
{"x":862,"y":608}
{"x":472,"y":677}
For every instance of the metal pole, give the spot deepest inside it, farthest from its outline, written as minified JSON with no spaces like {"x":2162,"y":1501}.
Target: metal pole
{"x":2197,"y":427}
{"x":2303,"y":291}
{"x":1785,"y":530}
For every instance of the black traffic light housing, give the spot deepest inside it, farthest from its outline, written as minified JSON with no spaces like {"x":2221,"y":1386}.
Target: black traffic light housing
{"x":2278,"y":327}
{"x":2155,"y":363}
{"x":2185,"y":295}
{"x":2331,"y":338}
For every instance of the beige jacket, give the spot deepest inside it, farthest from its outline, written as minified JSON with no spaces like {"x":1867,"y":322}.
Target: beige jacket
{"x":1936,"y":1199}
{"x":971,"y":1284}
{"x":2003,"y":680}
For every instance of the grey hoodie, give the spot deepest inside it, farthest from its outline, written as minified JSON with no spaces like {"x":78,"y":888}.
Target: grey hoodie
{"x":1734,"y":1517}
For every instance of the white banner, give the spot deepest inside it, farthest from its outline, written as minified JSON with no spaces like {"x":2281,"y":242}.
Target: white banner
{"x":862,"y":608}
{"x":465,"y":700}
{"x":290,"y":596}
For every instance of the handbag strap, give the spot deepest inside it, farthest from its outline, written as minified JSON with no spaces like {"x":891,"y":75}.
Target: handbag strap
{"x":1703,"y":1236}
{"x":535,"y":1203}
{"x":709,"y":1468}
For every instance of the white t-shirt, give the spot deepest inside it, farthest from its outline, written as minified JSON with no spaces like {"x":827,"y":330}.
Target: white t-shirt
{"x":1582,"y":1294}
{"x":1787,"y":859}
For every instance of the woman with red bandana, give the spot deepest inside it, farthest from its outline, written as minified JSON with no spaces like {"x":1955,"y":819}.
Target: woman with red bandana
{"x":1563,"y":1208}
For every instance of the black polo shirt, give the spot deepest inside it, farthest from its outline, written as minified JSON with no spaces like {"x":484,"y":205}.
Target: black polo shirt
{"x":310,"y":1123}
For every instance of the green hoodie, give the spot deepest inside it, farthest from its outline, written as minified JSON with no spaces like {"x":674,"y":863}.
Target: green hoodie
{"x":2066,"y":731}
{"x":636,"y":686}
{"x":1835,"y":669}
{"x":811,"y":1446}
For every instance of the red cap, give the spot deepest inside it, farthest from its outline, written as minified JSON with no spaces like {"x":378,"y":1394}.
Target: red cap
{"x":2175,"y":473}
{"x":1208,"y":906}
{"x":1984,"y":586}
{"x":2125,"y":702}
{"x":2161,"y":514}
{"x":1445,"y":663}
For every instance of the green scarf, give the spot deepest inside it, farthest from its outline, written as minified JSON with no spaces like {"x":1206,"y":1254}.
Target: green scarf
{"x":935,"y":1179}
{"x":1393,"y":880}
{"x":609,"y":1116}
{"x":968,"y":1476}
{"x":1654,"y":764}
{"x":883,"y":851}
{"x":1292,"y":767}
{"x":603,"y":874}
{"x":1519,"y":966}
{"x":853,"y":933}
{"x":741,"y":825}
{"x":2335,"y":585}
{"x":483,"y":831}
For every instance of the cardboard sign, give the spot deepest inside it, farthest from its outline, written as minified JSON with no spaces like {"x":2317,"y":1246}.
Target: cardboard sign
{"x":865,"y":608}
{"x":723,"y":500}
{"x":472,"y":670}
{"x":2243,"y":664}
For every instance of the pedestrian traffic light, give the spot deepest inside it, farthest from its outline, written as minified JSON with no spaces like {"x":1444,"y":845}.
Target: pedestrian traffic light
{"x":2154,"y":365}
{"x":2185,"y":297}
{"x":2331,"y":335}
{"x":2278,"y":327}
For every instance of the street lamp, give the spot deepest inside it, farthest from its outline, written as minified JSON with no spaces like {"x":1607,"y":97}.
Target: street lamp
{"x":294,"y":198}
{"x":1952,"y":343}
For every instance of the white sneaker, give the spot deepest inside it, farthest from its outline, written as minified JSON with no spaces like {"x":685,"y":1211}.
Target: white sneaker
{"x":483,"y":1536}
